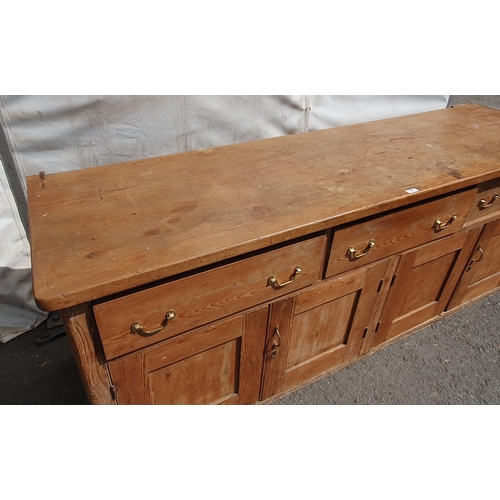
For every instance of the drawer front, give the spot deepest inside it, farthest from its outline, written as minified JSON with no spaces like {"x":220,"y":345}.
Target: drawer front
{"x":486,"y":202}
{"x":397,"y":231}
{"x":205,"y":297}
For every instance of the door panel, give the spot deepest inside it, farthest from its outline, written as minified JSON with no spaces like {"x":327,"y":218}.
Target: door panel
{"x":426,"y":284}
{"x":482,"y":274}
{"x":331,"y":324}
{"x":422,"y":285}
{"x":490,"y":262}
{"x":320,"y":328}
{"x":204,"y":378}
{"x":218,"y":364}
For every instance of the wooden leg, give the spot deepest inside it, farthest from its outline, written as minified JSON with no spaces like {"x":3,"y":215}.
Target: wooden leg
{"x":80,"y":330}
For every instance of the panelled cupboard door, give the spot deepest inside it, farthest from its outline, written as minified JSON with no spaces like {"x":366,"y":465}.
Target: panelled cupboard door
{"x":423,"y":283}
{"x":218,"y":364}
{"x":320,"y":328}
{"x":482,"y":273}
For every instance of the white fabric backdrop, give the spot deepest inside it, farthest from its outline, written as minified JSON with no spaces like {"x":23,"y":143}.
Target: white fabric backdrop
{"x":59,"y":133}
{"x":18,"y":312}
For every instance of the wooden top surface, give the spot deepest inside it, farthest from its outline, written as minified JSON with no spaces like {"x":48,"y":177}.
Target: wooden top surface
{"x":102,"y":230}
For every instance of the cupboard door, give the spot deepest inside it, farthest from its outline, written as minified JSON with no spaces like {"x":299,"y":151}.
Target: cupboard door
{"x":218,"y":364}
{"x":422,"y":284}
{"x":319,"y":328}
{"x":482,"y":274}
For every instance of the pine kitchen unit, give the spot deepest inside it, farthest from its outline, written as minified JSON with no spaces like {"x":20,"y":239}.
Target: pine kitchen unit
{"x":237,"y":274}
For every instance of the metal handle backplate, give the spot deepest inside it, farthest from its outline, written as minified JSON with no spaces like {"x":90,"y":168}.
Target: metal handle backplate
{"x":481,"y":257}
{"x":276,"y":343}
{"x":137,"y":328}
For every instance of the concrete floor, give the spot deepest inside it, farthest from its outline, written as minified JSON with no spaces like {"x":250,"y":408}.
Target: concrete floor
{"x":455,"y":361}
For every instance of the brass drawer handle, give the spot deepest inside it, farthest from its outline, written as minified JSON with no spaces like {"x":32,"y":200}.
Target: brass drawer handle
{"x":484,"y":204}
{"x":439,"y":226}
{"x":351,"y":252}
{"x":273,"y":281}
{"x":138,"y":328}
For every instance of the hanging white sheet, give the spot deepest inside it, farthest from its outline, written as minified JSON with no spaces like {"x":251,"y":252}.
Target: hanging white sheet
{"x":18,"y":312}
{"x":59,"y":133}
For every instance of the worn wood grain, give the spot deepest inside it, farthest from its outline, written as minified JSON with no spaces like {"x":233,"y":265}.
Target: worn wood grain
{"x":377,"y":307}
{"x":252,"y":355}
{"x":99,"y":231}
{"x":276,"y":347}
{"x":82,"y":336}
{"x":130,"y":379}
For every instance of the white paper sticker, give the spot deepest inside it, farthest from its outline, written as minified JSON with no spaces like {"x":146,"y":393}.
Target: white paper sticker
{"x":412,"y":190}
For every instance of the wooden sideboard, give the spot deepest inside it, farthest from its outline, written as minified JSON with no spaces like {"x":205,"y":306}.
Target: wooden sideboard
{"x":238,"y":274}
